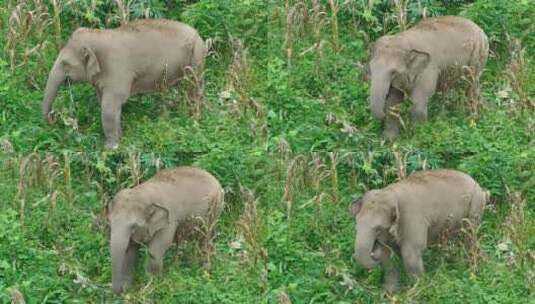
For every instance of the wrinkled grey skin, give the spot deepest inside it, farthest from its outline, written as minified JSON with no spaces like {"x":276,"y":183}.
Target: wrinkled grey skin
{"x":138,"y":57}
{"x":410,"y":63}
{"x":150,"y":214}
{"x":407,"y":216}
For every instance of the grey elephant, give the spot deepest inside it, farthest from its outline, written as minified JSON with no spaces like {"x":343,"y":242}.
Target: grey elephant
{"x":410,"y":63}
{"x":407,"y":216}
{"x":150,"y":214}
{"x":140,"y":56}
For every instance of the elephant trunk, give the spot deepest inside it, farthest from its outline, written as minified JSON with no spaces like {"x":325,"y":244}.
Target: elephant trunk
{"x":364,"y":247}
{"x":120,"y":238}
{"x":380,"y":85}
{"x":55,"y":79}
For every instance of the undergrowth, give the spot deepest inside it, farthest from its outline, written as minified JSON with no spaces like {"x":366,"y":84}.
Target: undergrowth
{"x":284,"y":125}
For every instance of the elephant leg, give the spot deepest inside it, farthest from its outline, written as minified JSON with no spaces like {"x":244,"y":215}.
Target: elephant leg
{"x":424,"y":87}
{"x":130,"y":262}
{"x":158,"y":246}
{"x":392,"y":124}
{"x":391,"y":270}
{"x":99,"y":96}
{"x":412,"y":259}
{"x":111,"y":117}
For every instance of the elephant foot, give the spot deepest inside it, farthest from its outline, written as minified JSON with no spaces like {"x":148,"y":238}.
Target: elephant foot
{"x":391,"y":287}
{"x":154,"y":267}
{"x":391,"y":281}
{"x":112,"y":145}
{"x":391,"y":133}
{"x":418,"y":117}
{"x":128,"y":282}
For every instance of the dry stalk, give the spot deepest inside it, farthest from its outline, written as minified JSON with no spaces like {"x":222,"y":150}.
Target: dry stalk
{"x":240,"y":76}
{"x":349,"y":157}
{"x":473,"y":91}
{"x":401,"y":163}
{"x":316,"y":171}
{"x":289,"y":183}
{"x":209,"y":230}
{"x":250,"y":227}
{"x":67,"y":177}
{"x":335,"y":7}
{"x":400,"y":9}
{"x":124,"y":10}
{"x":295,"y":16}
{"x":16,"y":296}
{"x":56,"y":6}
{"x":472,"y":245}
{"x":517,"y":227}
{"x":518,"y":74}
{"x":194,"y":86}
{"x":334,"y":176}
{"x":135,"y":167}
{"x":27,"y":24}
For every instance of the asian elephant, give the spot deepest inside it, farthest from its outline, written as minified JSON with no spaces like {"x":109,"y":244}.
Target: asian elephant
{"x":150,"y":214}
{"x":410,"y":63}
{"x":140,"y":56}
{"x":407,"y":216}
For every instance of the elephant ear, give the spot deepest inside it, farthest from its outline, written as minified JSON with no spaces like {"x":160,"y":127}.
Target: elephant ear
{"x":394,"y":219}
{"x":355,"y":207}
{"x":417,"y":61}
{"x":92,"y":65}
{"x":157,"y":219}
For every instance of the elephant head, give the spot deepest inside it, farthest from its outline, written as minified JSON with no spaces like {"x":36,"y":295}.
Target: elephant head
{"x":78,"y":62}
{"x":133,"y":218}
{"x":392,"y":64}
{"x":377,"y":217}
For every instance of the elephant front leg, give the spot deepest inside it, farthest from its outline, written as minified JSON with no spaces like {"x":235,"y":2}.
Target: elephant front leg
{"x":161,"y":241}
{"x":391,"y":269}
{"x":129,"y":264}
{"x":412,"y":259}
{"x":424,"y":87}
{"x":392,"y":124}
{"x":111,"y":117}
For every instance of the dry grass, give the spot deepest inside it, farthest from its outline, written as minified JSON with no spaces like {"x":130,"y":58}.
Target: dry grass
{"x":472,"y":243}
{"x":518,"y":229}
{"x":294,"y":166}
{"x":240,"y":80}
{"x":250,"y":227}
{"x":400,"y":11}
{"x":518,"y":75}
{"x":123,"y":10}
{"x":335,"y":8}
{"x":39,"y":171}
{"x":26,"y":32}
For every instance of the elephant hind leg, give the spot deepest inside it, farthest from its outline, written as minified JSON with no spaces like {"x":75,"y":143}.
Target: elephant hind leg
{"x":161,"y":241}
{"x":392,"y":119}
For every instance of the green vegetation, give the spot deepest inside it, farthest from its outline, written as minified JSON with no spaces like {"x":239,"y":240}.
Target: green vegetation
{"x":286,"y":129}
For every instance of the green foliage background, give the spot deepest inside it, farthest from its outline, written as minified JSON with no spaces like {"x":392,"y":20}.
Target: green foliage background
{"x":297,"y":133}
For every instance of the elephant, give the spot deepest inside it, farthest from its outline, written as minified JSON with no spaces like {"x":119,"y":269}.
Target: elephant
{"x":407,"y":216}
{"x":152,"y":212}
{"x":411,"y":63}
{"x":140,"y":56}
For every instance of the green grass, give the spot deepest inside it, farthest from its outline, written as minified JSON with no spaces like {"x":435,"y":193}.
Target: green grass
{"x":299,"y":136}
